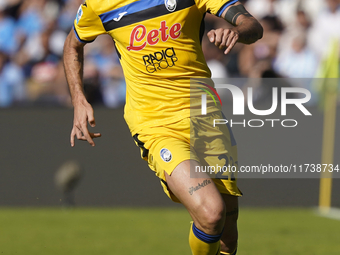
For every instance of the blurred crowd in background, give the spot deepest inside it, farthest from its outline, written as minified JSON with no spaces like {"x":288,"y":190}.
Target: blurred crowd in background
{"x":297,"y":37}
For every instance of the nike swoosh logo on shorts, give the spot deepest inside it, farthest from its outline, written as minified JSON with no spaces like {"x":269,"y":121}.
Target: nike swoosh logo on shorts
{"x":120,"y":16}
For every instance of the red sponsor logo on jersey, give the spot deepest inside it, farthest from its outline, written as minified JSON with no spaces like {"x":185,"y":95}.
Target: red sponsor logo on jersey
{"x":139,"y":34}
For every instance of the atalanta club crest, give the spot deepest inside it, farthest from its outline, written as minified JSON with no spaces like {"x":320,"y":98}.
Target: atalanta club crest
{"x":166,"y":155}
{"x":170,"y":5}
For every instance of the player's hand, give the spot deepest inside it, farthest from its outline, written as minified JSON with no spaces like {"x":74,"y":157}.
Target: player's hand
{"x":223,"y":38}
{"x":83,"y":113}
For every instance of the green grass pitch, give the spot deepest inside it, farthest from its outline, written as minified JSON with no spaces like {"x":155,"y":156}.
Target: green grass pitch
{"x":85,"y":231}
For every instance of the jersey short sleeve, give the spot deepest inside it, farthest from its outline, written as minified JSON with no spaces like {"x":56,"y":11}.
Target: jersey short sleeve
{"x":215,"y":7}
{"x":87,"y":25}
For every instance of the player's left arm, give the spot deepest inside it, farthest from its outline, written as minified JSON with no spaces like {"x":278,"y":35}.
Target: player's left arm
{"x":246,"y":28}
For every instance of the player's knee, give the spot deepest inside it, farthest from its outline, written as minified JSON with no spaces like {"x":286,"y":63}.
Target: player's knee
{"x":211,"y":219}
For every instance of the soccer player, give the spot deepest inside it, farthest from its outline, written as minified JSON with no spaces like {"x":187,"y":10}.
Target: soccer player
{"x":158,"y":43}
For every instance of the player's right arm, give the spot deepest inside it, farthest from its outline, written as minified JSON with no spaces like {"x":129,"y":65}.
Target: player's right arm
{"x":73,"y":63}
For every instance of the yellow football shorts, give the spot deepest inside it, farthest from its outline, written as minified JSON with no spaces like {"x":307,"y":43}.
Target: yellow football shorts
{"x":195,"y":138}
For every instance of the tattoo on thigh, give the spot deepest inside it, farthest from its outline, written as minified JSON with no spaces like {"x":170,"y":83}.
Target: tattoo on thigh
{"x":199,"y":186}
{"x":233,"y":212}
{"x":235,"y":11}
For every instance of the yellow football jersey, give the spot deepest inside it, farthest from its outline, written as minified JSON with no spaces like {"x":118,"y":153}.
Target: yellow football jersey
{"x":159,"y":46}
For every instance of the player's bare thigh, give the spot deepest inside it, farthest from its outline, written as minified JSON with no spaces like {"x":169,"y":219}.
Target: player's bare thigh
{"x":200,"y":196}
{"x":230,"y":234}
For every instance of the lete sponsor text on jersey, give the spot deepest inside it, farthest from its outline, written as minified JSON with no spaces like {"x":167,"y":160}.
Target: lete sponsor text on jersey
{"x":140,"y":37}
